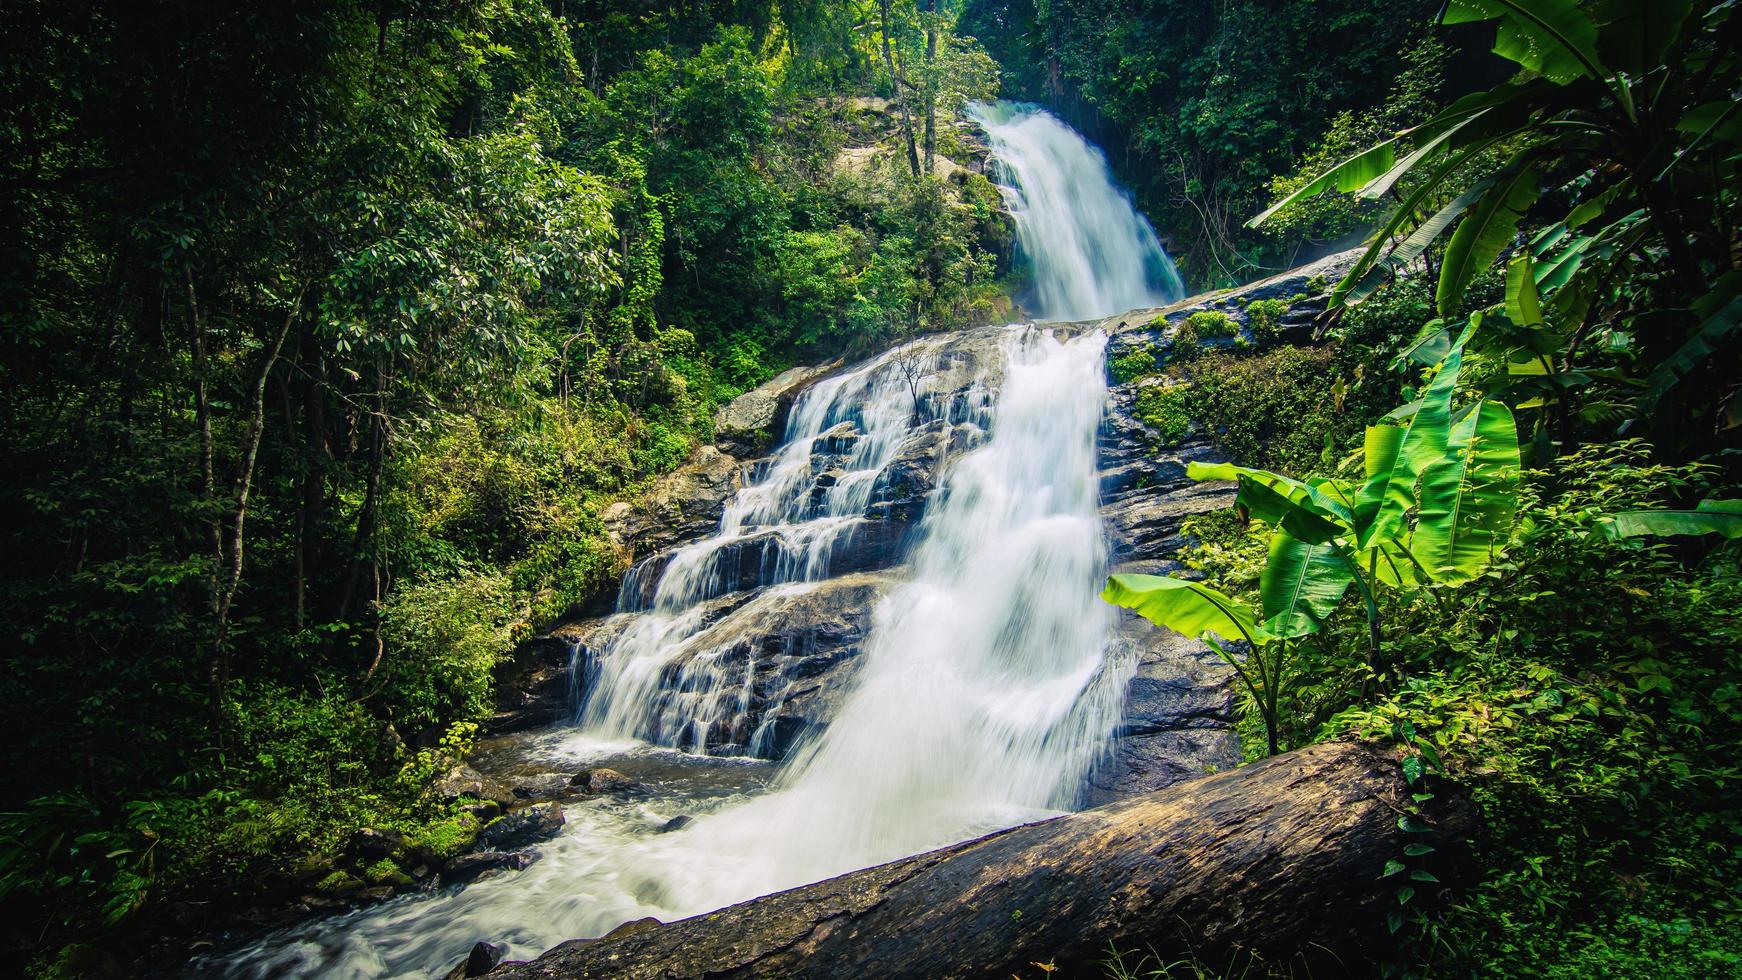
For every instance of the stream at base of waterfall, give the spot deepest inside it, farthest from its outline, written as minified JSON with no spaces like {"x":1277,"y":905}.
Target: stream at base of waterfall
{"x":986,"y":688}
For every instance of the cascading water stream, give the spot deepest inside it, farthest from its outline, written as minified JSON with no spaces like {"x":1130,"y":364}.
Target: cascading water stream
{"x":986,"y":688}
{"x":1092,"y":254}
{"x":790,"y":522}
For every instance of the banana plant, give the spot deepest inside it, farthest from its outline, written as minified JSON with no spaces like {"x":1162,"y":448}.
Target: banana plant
{"x":1634,"y":97}
{"x":1436,"y":505}
{"x":1715,"y":516}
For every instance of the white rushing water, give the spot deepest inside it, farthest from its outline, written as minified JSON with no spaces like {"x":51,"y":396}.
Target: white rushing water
{"x":783,"y":520}
{"x":1092,"y":254}
{"x":986,"y":689}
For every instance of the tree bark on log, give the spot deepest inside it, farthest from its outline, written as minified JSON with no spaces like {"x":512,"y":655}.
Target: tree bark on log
{"x":1280,"y":858}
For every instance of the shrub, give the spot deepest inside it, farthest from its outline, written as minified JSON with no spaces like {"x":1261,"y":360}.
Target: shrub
{"x":444,"y":636}
{"x":1275,"y":410}
{"x":1206,"y":324}
{"x":1264,"y":317}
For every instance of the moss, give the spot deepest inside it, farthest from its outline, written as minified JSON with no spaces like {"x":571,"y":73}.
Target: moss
{"x":1137,"y":363}
{"x":1275,"y":410}
{"x":384,"y":872}
{"x":444,"y":838}
{"x":1164,"y":409}
{"x":339,"y":883}
{"x":1206,"y":324}
{"x":1264,"y":317}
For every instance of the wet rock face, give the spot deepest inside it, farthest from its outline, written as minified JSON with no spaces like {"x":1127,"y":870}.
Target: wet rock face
{"x":1179,"y":716}
{"x":519,"y":828}
{"x":532,"y":685}
{"x":754,"y":419}
{"x":773,"y":669}
{"x":1179,"y":708}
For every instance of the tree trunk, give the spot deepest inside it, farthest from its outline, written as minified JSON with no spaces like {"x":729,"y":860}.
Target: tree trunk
{"x":220,"y":667}
{"x":1281,"y":858}
{"x":931,"y":84}
{"x":897,"y":82}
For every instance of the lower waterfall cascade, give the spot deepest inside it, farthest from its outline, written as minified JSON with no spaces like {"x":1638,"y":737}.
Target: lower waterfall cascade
{"x":984,"y":690}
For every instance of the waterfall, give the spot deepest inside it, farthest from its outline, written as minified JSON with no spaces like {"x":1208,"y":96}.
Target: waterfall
{"x":1091,"y":252}
{"x":985,"y":695}
{"x":786,"y":521}
{"x":987,"y":686}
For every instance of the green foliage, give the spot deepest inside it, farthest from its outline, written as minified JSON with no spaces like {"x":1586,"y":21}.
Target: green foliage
{"x":446,"y":635}
{"x":1411,"y":100}
{"x":1264,"y":318}
{"x":331,"y":332}
{"x":1636,"y":261}
{"x":1331,"y":534}
{"x":1139,"y":362}
{"x":1165,"y":409}
{"x":1586,"y":692}
{"x":1206,"y":324}
{"x":1275,"y":409}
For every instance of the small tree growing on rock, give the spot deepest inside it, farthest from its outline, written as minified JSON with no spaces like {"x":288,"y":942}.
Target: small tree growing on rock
{"x":913,"y":366}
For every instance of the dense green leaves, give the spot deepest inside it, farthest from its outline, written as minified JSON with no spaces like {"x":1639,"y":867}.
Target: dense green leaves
{"x":1488,"y":227}
{"x":1554,"y":38}
{"x":1372,"y":166}
{"x":1721,"y":517}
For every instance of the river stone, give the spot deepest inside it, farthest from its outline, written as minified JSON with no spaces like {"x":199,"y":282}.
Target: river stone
{"x":462,"y":781}
{"x":757,"y":414}
{"x":484,"y":958}
{"x":369,"y":844}
{"x":604,"y":780}
{"x":519,"y":828}
{"x":469,"y":867}
{"x":632,"y":927}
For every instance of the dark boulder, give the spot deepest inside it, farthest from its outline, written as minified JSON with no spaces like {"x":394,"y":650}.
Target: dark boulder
{"x":603,"y":780}
{"x":522,"y":827}
{"x":369,"y":844}
{"x":463,"y":781}
{"x":470,"y":867}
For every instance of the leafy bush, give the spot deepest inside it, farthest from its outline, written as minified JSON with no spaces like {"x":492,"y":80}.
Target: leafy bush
{"x":1264,"y":317}
{"x":1206,"y":324}
{"x":1275,"y":410}
{"x":444,"y":636}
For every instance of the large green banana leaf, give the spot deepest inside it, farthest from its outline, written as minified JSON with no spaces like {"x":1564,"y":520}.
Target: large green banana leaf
{"x":1389,"y":493}
{"x":1191,"y":608}
{"x":1306,"y":510}
{"x":1301,"y":585}
{"x":1710,"y":517}
{"x":1484,"y":232}
{"x":1468,"y":500}
{"x":1553,"y":38}
{"x":1347,"y":176}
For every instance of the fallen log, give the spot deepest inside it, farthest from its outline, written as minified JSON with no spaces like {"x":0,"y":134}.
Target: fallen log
{"x":1277,"y":858}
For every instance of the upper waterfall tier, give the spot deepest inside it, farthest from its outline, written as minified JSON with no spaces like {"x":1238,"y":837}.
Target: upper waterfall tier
{"x":1092,"y":254}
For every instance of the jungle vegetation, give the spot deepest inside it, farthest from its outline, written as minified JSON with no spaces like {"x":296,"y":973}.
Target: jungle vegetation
{"x":328,"y":330}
